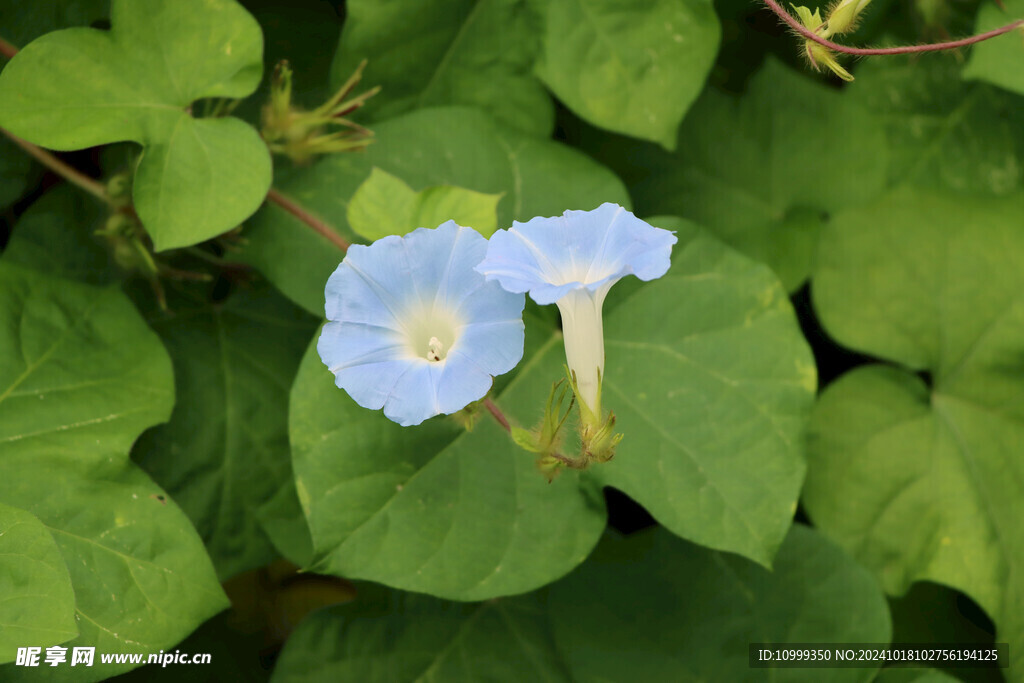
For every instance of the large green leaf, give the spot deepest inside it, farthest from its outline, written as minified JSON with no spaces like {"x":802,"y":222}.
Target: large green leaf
{"x":38,"y":606}
{"x":709,"y":376}
{"x":652,"y":608}
{"x":224,"y":452}
{"x":81,"y":87}
{"x":388,"y":636}
{"x":83,"y":375}
{"x":924,"y":478}
{"x":711,"y":382}
{"x":998,"y":60}
{"x":449,"y":146}
{"x":646,"y":608}
{"x":634,"y":68}
{"x":763,"y":170}
{"x":942,"y":132}
{"x":462,"y":515}
{"x":429,"y":53}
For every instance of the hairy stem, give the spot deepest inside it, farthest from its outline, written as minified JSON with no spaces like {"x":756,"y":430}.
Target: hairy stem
{"x":495,"y":411}
{"x":319,"y":226}
{"x":498,"y":415}
{"x":66,"y":171}
{"x":900,"y":50}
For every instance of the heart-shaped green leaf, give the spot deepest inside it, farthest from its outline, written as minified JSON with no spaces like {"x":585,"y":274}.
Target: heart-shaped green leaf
{"x":84,"y":375}
{"x":82,"y":87}
{"x":431,"y":53}
{"x":924,"y":480}
{"x":632,"y":69}
{"x":713,"y":343}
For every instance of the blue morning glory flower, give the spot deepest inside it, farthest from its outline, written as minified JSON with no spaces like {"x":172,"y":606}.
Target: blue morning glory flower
{"x":573,"y":260}
{"x":414,"y":329}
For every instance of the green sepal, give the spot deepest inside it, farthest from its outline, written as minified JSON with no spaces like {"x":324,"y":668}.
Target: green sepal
{"x":525,"y":439}
{"x":544,"y":438}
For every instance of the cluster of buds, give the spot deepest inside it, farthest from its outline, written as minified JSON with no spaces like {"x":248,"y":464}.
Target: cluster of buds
{"x":842,"y":18}
{"x":301,"y":134}
{"x":597,"y":434}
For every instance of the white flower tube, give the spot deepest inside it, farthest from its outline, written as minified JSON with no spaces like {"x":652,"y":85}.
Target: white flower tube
{"x":583,"y":330}
{"x":573,"y":260}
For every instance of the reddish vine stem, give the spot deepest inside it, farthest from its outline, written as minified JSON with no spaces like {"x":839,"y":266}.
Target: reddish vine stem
{"x":498,"y":415}
{"x":319,"y":226}
{"x":66,"y":171}
{"x":495,"y":411}
{"x":7,"y":50}
{"x":901,"y":50}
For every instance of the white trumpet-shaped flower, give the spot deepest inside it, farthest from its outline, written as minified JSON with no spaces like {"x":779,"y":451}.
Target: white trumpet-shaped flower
{"x":573,"y":260}
{"x":414,"y":329}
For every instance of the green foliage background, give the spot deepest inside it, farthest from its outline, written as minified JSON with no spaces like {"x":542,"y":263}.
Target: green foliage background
{"x":823,"y":400}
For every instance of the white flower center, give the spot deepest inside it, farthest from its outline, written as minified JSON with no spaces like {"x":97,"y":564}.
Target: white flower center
{"x":435,"y":349}
{"x":431,"y":334}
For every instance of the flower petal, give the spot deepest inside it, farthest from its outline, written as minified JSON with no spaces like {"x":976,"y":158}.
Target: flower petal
{"x":365,"y":360}
{"x":384,"y":297}
{"x":368,"y":286}
{"x":549,"y":257}
{"x":461,"y":382}
{"x":494,"y":347}
{"x":439,"y":258}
